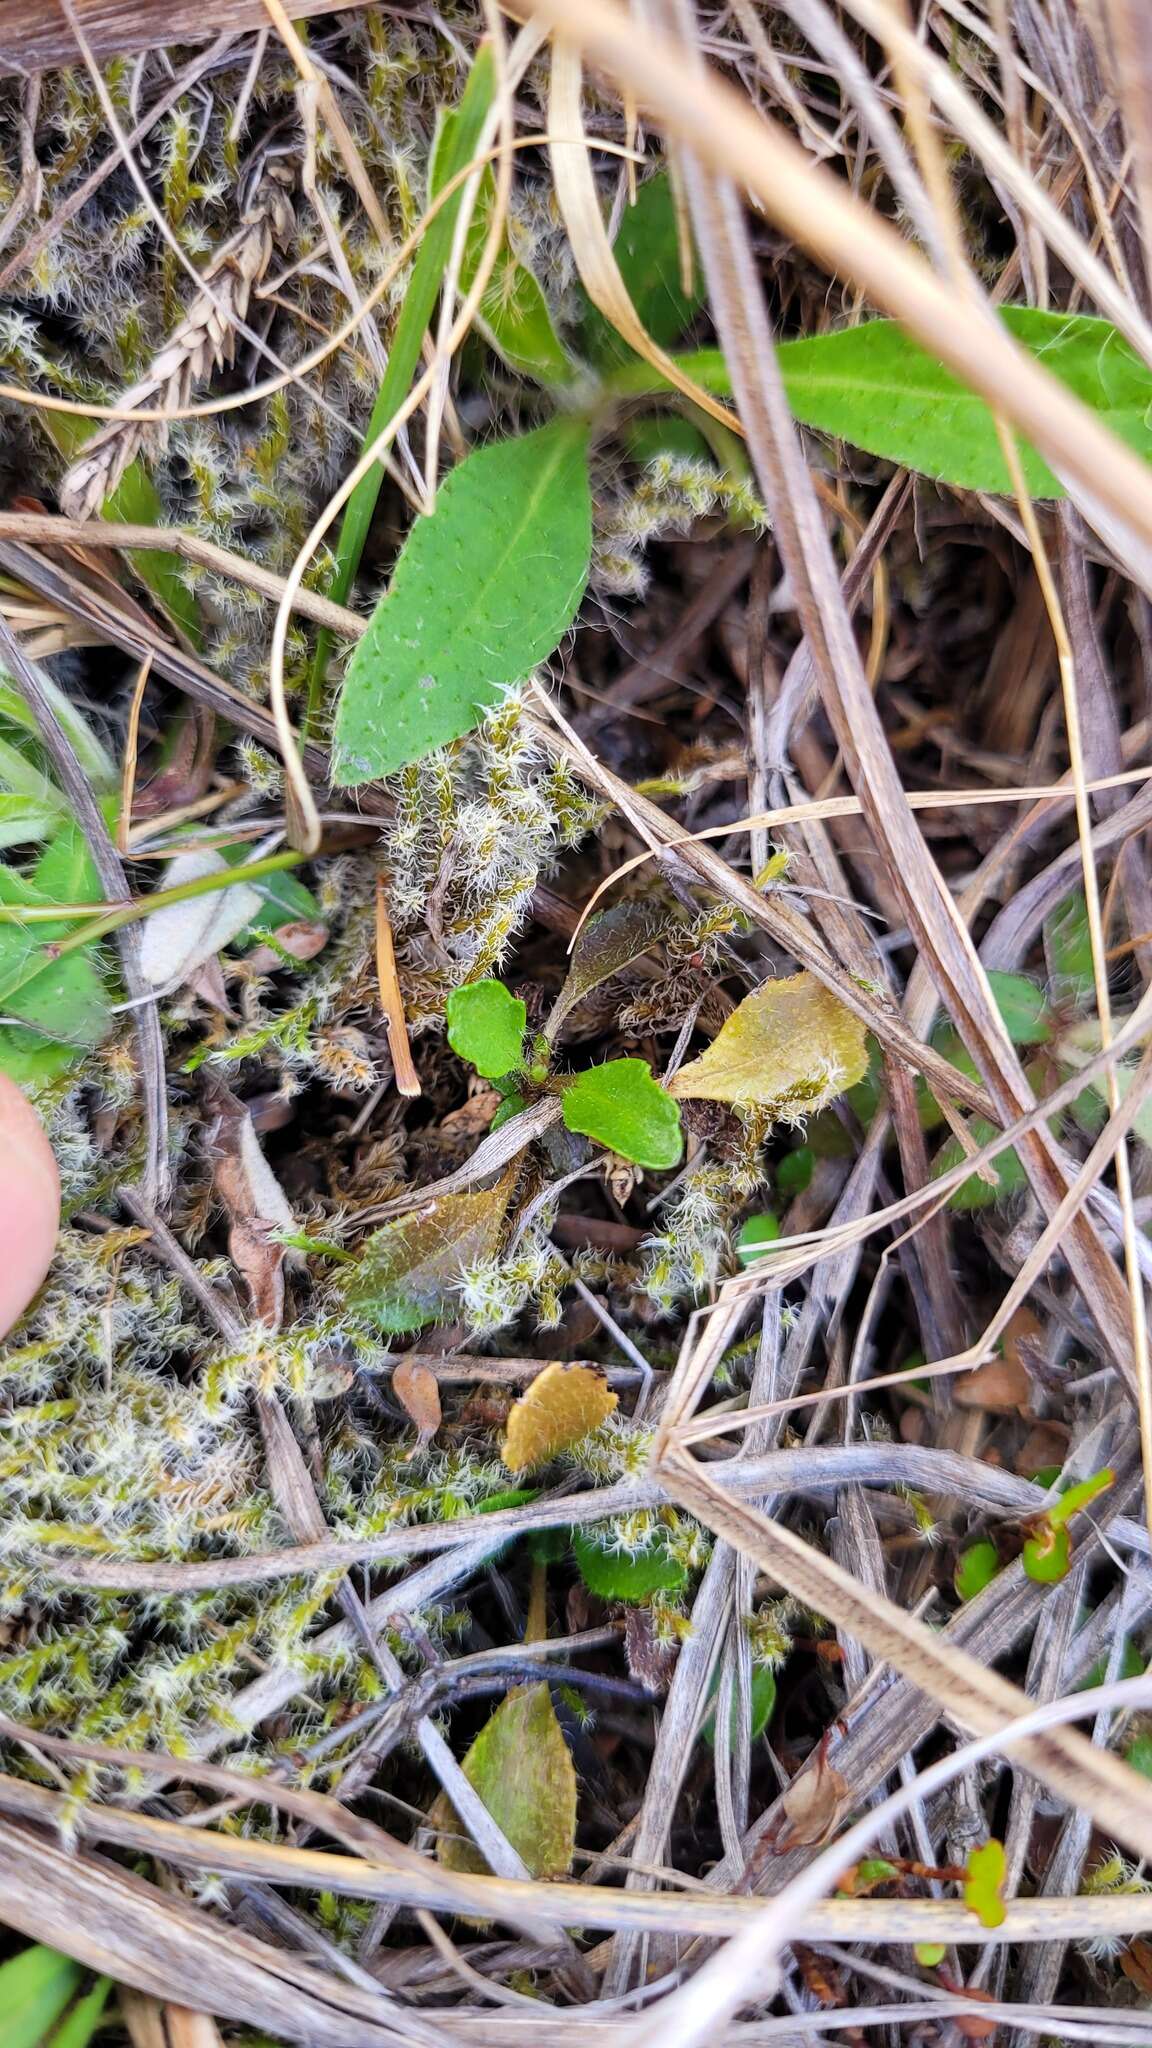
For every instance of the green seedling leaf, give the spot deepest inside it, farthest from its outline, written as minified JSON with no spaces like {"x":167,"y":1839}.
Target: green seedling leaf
{"x":983,"y":1886}
{"x":929,"y":1953}
{"x":663,"y":434}
{"x":606,"y":945}
{"x":975,"y":1193}
{"x":36,"y":1986}
{"x":632,"y":1576}
{"x":408,"y":1272}
{"x":1024,"y":1008}
{"x":763,"y":1701}
{"x":521,"y":1768}
{"x":795,"y":1170}
{"x":757,"y":1232}
{"x":976,"y":1568}
{"x":647,"y":252}
{"x":556,"y":1410}
{"x":486,"y":1025}
{"x":77,"y":2027}
{"x":62,"y":1002}
{"x":510,"y":1107}
{"x":513,"y":313}
{"x":1068,"y":947}
{"x":483,"y":590}
{"x":875,"y":387}
{"x":622,"y":1107}
{"x":1078,"y":1496}
{"x":1047,"y":1555}
{"x":791,"y":1046}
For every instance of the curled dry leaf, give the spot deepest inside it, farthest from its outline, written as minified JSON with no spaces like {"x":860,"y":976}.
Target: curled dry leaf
{"x":521,"y":1767}
{"x":791,"y":1047}
{"x":177,"y":939}
{"x":814,"y":1804}
{"x":256,"y":1203}
{"x":300,"y":940}
{"x":418,"y":1391}
{"x":563,"y":1404}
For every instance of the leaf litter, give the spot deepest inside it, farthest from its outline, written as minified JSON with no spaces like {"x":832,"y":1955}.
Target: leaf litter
{"x":559,"y":1417}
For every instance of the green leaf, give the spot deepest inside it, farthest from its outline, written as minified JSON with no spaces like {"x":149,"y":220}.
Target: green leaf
{"x":791,"y":1046}
{"x":647,"y":251}
{"x":486,"y":1025}
{"x":983,"y":1887}
{"x":976,"y":1568}
{"x":1024,"y":1008}
{"x":510,"y":1107}
{"x":283,"y":900}
{"x":795,"y":1170}
{"x":632,"y":1576}
{"x":135,"y":502}
{"x":756,"y":1232}
{"x":407,"y":1273}
{"x":875,"y":387}
{"x":1047,"y":1555}
{"x":606,"y":945}
{"x":77,"y":2027}
{"x":416,"y":309}
{"x":929,"y":1953}
{"x":513,"y":313}
{"x":1139,"y":1755}
{"x":23,"y":819}
{"x":521,"y":1767}
{"x":35,"y":1988}
{"x":658,"y":435}
{"x":483,"y":590}
{"x":622,"y":1107}
{"x":1078,"y":1496}
{"x":975,"y":1193}
{"x":763,"y":1702}
{"x":63,"y":1002}
{"x":1068,"y":945}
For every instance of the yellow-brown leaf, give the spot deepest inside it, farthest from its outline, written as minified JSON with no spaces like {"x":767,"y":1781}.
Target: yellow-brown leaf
{"x":792,"y":1047}
{"x":562,"y":1404}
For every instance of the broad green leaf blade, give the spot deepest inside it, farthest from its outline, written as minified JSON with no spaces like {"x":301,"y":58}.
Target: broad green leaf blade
{"x":416,"y":308}
{"x":35,"y":1988}
{"x":621,"y":1106}
{"x":1023,"y":1007}
{"x":483,"y":590}
{"x":486,"y":1025}
{"x":791,"y":1047}
{"x":407,"y":1273}
{"x":62,"y":1001}
{"x":876,"y":388}
{"x":560,"y":1408}
{"x":521,"y":1768}
{"x":647,"y":251}
{"x":632,"y":1576}
{"x":513,"y":312}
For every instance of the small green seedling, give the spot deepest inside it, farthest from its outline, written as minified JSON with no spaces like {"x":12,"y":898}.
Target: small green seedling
{"x":929,"y":1953}
{"x":632,"y":1576}
{"x":486,"y":1025}
{"x":1047,"y":1552}
{"x":620,"y":1104}
{"x":984,"y":1884}
{"x":756,"y":1233}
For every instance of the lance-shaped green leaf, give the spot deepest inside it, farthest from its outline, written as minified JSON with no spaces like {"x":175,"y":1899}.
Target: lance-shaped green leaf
{"x":407,"y":1273}
{"x":484,"y":589}
{"x":35,"y":1988}
{"x":513,"y":312}
{"x":647,"y":251}
{"x":873,"y":386}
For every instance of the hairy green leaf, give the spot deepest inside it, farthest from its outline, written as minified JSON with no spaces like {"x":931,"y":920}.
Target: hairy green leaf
{"x":1023,"y":1006}
{"x":513,"y":313}
{"x":23,"y":819}
{"x":483,"y":590}
{"x":486,"y":1025}
{"x":61,"y":1004}
{"x":35,"y":1988}
{"x":647,"y":251}
{"x":621,"y":1106}
{"x":408,"y":1272}
{"x":875,"y":387}
{"x":791,"y":1046}
{"x":521,"y":1767}
{"x":632,"y":1576}
{"x":605,"y":946}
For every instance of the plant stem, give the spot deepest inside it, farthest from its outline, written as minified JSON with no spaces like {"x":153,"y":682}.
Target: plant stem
{"x":102,"y":918}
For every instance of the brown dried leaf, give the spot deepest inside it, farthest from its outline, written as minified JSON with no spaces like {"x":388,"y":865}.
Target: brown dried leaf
{"x":814,"y":1804}
{"x":301,"y":940}
{"x":256,"y":1203}
{"x":790,"y":1046}
{"x":563,"y":1404}
{"x":418,"y":1391}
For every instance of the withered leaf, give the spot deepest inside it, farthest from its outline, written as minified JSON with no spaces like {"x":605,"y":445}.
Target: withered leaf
{"x":408,"y":1272}
{"x":520,"y":1766}
{"x":179,"y":937}
{"x":563,"y":1404}
{"x":814,"y":1804}
{"x":791,"y":1047}
{"x":256,"y":1204}
{"x":606,"y":946}
{"x":418,"y":1391}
